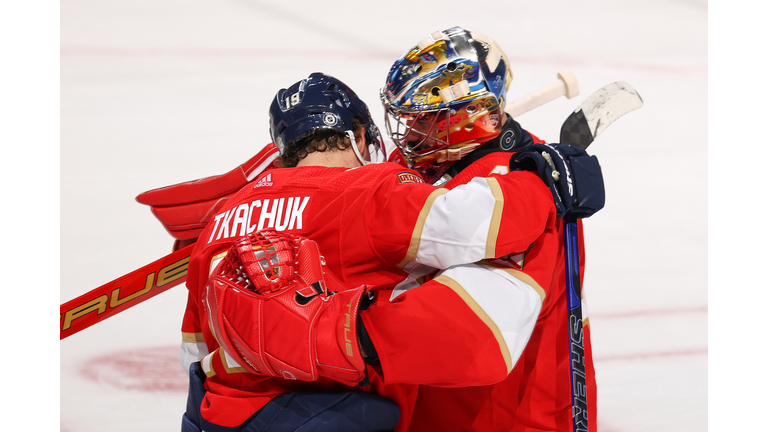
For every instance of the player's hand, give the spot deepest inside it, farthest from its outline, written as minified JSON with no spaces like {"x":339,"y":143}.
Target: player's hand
{"x":573,"y":176}
{"x":277,"y":310}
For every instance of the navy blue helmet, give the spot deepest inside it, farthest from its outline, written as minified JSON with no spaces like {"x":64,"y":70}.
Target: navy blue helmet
{"x":320,"y":102}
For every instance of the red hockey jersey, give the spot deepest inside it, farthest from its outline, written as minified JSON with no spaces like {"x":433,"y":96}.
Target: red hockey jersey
{"x":536,"y":395}
{"x":380,"y":225}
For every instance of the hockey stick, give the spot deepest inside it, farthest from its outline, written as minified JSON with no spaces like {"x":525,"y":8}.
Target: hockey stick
{"x":124,"y":292}
{"x":597,"y":112}
{"x":575,"y":326}
{"x":581,"y":128}
{"x":169,"y":271}
{"x":566,"y":85}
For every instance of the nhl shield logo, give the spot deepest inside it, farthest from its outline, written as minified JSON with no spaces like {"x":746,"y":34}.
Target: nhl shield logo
{"x":330,"y":119}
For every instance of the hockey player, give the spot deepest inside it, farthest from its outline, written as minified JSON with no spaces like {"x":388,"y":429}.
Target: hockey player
{"x":378,"y":225}
{"x":444,"y":101}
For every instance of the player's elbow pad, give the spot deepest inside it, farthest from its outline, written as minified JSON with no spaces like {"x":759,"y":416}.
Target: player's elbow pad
{"x":456,"y":228}
{"x":506,"y":304}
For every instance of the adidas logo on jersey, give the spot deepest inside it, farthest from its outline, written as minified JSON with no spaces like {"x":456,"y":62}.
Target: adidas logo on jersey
{"x":265,"y":181}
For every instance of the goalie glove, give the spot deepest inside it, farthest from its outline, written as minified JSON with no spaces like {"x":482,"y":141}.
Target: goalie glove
{"x":574,"y":177}
{"x":185,"y":209}
{"x":277,"y":310}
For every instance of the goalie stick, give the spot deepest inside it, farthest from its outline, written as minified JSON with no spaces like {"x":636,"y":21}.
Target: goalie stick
{"x":597,"y":112}
{"x":167,"y":272}
{"x":580,"y":129}
{"x":124,"y":292}
{"x":566,"y":85}
{"x":140,"y":285}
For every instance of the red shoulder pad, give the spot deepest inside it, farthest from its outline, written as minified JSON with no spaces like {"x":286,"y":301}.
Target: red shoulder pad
{"x":184,"y":209}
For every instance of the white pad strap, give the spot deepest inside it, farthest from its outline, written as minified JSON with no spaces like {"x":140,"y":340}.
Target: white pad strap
{"x":456,"y":91}
{"x":431,"y":40}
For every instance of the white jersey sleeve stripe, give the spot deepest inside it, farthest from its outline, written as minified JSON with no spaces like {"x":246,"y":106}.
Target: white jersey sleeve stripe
{"x":506,"y":304}
{"x":517,"y":274}
{"x":230,"y":364}
{"x":457,"y":227}
{"x":206,"y":364}
{"x":413,"y":248}
{"x":191,"y":352}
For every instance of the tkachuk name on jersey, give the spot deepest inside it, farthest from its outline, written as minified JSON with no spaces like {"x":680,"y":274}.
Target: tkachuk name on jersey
{"x":280,"y":214}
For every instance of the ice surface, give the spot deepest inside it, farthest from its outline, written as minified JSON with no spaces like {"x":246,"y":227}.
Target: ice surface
{"x":158,"y":92}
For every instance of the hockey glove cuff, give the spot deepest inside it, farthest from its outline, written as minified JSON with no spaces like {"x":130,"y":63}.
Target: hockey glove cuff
{"x":574,"y":177}
{"x":277,"y":310}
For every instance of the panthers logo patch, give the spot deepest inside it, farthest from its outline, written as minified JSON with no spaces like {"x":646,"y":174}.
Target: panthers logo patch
{"x":407,"y":177}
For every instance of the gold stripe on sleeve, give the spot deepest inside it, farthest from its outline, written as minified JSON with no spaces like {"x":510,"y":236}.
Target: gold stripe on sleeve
{"x":230,"y":369}
{"x":478,"y":310}
{"x":413,"y":248}
{"x":207,"y":365}
{"x":192,"y":337}
{"x":215,"y":260}
{"x":493,"y":232}
{"x":519,"y":275}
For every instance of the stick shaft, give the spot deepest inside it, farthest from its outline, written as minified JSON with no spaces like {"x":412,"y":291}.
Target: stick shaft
{"x":566,"y":85}
{"x":124,"y":292}
{"x":575,"y":326}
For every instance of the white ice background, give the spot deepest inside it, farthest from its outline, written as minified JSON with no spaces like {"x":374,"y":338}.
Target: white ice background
{"x":158,"y":92}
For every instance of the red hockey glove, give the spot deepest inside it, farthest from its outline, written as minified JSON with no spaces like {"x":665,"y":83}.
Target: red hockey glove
{"x":184,"y":209}
{"x":277,"y":310}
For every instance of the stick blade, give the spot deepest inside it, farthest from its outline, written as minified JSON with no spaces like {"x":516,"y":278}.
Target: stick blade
{"x":597,"y":112}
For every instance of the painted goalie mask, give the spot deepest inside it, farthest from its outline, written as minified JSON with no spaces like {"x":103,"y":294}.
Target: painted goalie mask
{"x":446,"y":96}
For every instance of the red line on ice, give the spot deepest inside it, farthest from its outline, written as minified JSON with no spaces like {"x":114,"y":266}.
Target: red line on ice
{"x":256,"y":52}
{"x":652,"y":355}
{"x":646,"y":313}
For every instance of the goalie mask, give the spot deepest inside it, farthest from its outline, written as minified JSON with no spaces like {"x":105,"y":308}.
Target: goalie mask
{"x":321,"y":102}
{"x":446,"y":96}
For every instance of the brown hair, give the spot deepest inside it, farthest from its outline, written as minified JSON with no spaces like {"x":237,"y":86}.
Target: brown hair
{"x":317,"y":140}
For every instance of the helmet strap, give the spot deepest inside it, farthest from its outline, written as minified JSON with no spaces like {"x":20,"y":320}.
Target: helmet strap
{"x":375,"y":153}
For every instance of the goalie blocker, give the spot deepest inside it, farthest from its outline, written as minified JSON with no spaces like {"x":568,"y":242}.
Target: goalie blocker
{"x":277,"y":284}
